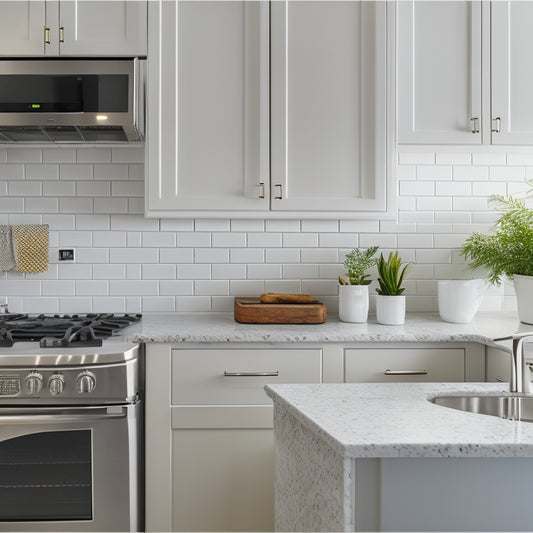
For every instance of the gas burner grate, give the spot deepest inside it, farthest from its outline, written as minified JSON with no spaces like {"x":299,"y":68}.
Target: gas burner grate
{"x":54,"y":331}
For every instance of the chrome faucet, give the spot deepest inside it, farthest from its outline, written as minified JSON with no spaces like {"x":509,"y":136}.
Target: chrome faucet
{"x":519,"y":381}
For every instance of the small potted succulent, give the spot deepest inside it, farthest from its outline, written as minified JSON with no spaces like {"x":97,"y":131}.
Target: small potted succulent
{"x":390,"y":301}
{"x":353,"y":290}
{"x":508,"y":251}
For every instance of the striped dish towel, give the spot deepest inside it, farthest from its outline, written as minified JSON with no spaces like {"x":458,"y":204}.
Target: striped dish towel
{"x":7,"y":259}
{"x":31,"y":247}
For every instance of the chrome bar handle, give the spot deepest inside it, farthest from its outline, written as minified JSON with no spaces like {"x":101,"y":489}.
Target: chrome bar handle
{"x":261,"y":190}
{"x":499,"y":379}
{"x":475,"y":124}
{"x":46,"y":35}
{"x":405,"y":372}
{"x":61,"y":34}
{"x":498,"y":127}
{"x":280,"y":197}
{"x":275,"y":373}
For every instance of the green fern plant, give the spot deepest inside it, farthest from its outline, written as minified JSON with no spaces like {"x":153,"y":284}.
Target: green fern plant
{"x":357,"y":263}
{"x":509,"y":250}
{"x":391,"y":275}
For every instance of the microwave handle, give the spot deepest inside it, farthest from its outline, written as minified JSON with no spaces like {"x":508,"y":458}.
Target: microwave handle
{"x":37,"y":415}
{"x":139,"y":80}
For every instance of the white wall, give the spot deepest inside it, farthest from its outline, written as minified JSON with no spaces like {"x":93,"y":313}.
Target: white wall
{"x":92,"y":198}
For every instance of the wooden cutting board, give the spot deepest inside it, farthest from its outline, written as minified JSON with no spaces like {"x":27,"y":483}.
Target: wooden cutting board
{"x":250,"y":310}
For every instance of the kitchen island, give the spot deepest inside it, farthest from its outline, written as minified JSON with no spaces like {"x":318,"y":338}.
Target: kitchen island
{"x":381,"y":457}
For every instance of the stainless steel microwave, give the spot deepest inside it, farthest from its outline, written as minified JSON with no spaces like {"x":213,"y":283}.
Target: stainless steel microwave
{"x":72,"y":100}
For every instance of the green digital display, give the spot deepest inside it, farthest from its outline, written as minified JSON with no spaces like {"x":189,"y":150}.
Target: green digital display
{"x":36,"y":106}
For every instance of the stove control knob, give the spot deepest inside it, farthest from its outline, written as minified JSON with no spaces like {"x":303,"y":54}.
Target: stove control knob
{"x":56,"y":384}
{"x":34,"y":383}
{"x":85,"y":382}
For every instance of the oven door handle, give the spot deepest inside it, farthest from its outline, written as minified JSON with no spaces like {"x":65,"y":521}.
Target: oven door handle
{"x":60,"y":414}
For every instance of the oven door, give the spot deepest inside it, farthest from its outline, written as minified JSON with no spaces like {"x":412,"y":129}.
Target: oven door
{"x":71,"y":469}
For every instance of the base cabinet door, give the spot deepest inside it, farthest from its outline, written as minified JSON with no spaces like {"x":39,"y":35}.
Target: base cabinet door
{"x":222,"y":479}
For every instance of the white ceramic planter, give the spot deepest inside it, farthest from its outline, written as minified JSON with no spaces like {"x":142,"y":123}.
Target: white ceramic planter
{"x":353,"y":303}
{"x":390,"y":310}
{"x":523,"y":286}
{"x":459,"y":299}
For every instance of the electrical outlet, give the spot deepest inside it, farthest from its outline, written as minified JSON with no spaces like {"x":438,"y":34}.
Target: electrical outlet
{"x":66,"y":255}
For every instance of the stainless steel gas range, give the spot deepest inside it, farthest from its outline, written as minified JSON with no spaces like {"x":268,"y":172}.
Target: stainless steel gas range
{"x":70,"y":424}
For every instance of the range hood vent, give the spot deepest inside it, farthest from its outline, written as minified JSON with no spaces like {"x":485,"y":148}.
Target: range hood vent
{"x":71,"y":101}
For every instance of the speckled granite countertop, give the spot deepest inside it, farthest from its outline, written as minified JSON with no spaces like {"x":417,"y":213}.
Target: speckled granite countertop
{"x":221,"y":328}
{"x":397,"y":420}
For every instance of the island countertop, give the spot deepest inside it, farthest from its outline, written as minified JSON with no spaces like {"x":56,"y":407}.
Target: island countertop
{"x":369,"y":420}
{"x":222,"y":328}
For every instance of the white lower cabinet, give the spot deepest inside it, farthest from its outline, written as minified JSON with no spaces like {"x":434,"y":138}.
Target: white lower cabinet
{"x":209,"y":437}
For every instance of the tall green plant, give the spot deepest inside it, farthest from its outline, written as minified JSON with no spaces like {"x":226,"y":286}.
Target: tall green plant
{"x":391,"y":275}
{"x":357,"y":263}
{"x":509,"y":250}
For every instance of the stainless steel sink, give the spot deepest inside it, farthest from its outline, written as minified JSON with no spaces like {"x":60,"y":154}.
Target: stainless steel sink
{"x":505,"y":406}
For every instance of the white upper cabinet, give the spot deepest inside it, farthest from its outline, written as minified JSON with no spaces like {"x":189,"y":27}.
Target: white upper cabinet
{"x":512,"y":72}
{"x":73,"y":28}
{"x":329,"y":129}
{"x":208,"y":138}
{"x":269,"y":110}
{"x":464,"y":72}
{"x":22,"y":27}
{"x":439,"y":72}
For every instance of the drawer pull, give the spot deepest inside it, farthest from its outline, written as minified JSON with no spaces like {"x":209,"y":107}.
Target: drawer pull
{"x":499,"y":379}
{"x":405,"y":372}
{"x":250,"y":374}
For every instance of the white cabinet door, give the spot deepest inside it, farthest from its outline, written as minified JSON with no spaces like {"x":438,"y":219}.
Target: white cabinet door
{"x":22,"y":24}
{"x":404,"y":365}
{"x":439,"y":72}
{"x":91,"y":27}
{"x":512,"y":72}
{"x":208,"y":140}
{"x":329,"y":100}
{"x":223,"y":479}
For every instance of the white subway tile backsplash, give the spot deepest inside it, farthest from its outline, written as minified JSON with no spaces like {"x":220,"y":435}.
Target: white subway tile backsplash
{"x":133,"y":287}
{"x":59,"y":188}
{"x":110,"y":172}
{"x":110,"y":205}
{"x":91,"y":288}
{"x":41,"y":205}
{"x":127,"y":263}
{"x":24,"y":155}
{"x":300,"y":240}
{"x":229,"y":271}
{"x":212,"y":224}
{"x":158,"y":271}
{"x":264,"y":240}
{"x":59,"y":155}
{"x":42,"y":172}
{"x":11,"y":172}
{"x":75,"y":172}
{"x":449,"y":158}
{"x":93,"y":188}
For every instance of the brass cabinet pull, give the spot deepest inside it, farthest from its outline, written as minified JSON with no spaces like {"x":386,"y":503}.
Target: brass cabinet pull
{"x":61,"y":34}
{"x":405,"y":372}
{"x":261,"y":191}
{"x":46,"y":35}
{"x":498,"y":127}
{"x":275,"y":373}
{"x":475,"y":124}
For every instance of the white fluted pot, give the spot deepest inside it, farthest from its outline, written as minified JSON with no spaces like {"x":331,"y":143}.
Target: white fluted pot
{"x":353,"y":303}
{"x":390,"y":310}
{"x":523,"y":286}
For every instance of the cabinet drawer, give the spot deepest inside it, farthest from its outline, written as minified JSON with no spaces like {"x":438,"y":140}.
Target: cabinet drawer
{"x":237,"y":376}
{"x":414,"y":364}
